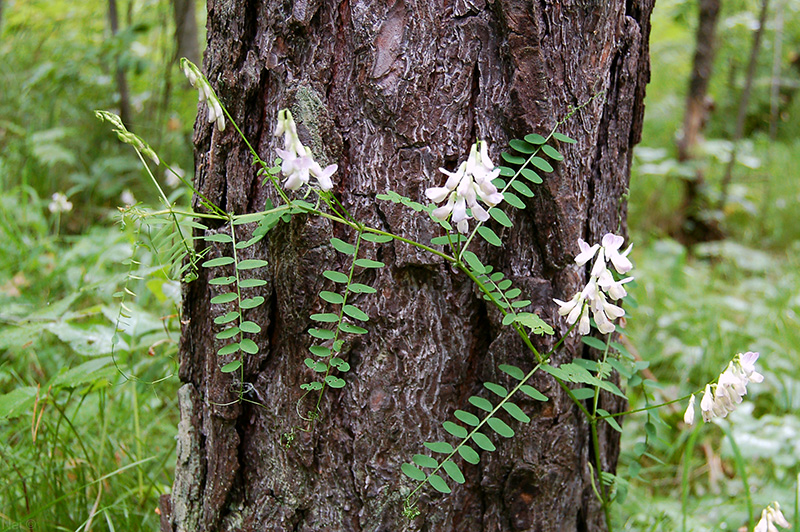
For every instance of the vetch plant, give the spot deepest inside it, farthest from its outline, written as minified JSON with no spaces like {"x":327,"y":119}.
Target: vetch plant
{"x":771,"y":516}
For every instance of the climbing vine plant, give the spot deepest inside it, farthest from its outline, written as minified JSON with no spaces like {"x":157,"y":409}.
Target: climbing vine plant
{"x":474,"y":193}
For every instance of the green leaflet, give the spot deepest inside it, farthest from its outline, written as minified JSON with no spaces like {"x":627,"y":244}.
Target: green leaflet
{"x":495,"y":389}
{"x":424,"y":460}
{"x":412,"y":472}
{"x":467,"y":418}
{"x":453,"y":471}
{"x":500,"y":427}
{"x":512,"y":370}
{"x":231,"y":366}
{"x":439,"y":447}
{"x":482,"y":441}
{"x":438,"y":483}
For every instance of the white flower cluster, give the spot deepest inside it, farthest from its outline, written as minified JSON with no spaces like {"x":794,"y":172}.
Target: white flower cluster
{"x":770,"y":516}
{"x":601,"y":284}
{"x":298,"y":164}
{"x":206,"y":93}
{"x":60,"y":203}
{"x":720,"y":399}
{"x":471,"y":181}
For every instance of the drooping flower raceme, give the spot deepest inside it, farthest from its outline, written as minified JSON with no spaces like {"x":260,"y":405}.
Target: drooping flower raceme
{"x":601,"y":287}
{"x":206,"y":93}
{"x":720,"y":399}
{"x":470,"y":182}
{"x":298,"y":164}
{"x":771,"y":516}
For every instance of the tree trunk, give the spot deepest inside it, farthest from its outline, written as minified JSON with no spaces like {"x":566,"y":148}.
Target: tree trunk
{"x":186,"y":41}
{"x":695,"y":225}
{"x":120,"y":76}
{"x":391,"y":91}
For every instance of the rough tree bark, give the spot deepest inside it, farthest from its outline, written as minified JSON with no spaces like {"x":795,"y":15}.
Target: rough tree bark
{"x":392,"y":91}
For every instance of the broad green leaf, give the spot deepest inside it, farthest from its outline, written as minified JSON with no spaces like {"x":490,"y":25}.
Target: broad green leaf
{"x":227,"y":297}
{"x":249,"y":264}
{"x":251,"y":283}
{"x":583,"y":393}
{"x":322,"y":334}
{"x":514,"y":371}
{"x":412,"y":472}
{"x":552,"y":153}
{"x":481,"y":403}
{"x":355,"y":312}
{"x":230,"y":367}
{"x":373,"y":237}
{"x":467,"y":418}
{"x":439,"y":447}
{"x":320,"y":351}
{"x":228,"y":349}
{"x":495,"y":389}
{"x":564,"y":138}
{"x":516,"y":412}
{"x":219,"y":261}
{"x":522,"y":188}
{"x":438,"y":483}
{"x":591,"y":341}
{"x":532,"y":392}
{"x":456,"y":430}
{"x":248,"y":346}
{"x":218,"y":237}
{"x":325,"y":318}
{"x":531,"y":176}
{"x":251,"y":302}
{"x":250,"y":327}
{"x":226,"y":318}
{"x":522,"y":146}
{"x":473,"y":262}
{"x":513,"y":200}
{"x":453,"y":471}
{"x":424,"y":460}
{"x":343,"y":247}
{"x":535,"y":138}
{"x":336,"y":277}
{"x":16,"y":402}
{"x":541,"y":164}
{"x":222,"y":280}
{"x":489,"y":235}
{"x":352,"y":329}
{"x":230,"y":332}
{"x":334,"y":382}
{"x":332,"y":297}
{"x":513,"y":159}
{"x":469,"y":454}
{"x":500,"y":427}
{"x":369,"y":263}
{"x":358,"y":288}
{"x":500,"y":217}
{"x":482,"y":441}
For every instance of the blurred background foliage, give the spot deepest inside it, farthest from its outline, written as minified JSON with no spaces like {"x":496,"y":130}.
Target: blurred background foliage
{"x":88,"y":419}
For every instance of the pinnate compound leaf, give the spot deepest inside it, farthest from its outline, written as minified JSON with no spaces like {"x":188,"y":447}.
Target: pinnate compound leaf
{"x":250,"y":327}
{"x":230,"y":367}
{"x":563,"y":138}
{"x":412,"y":472}
{"x":489,"y":235}
{"x":500,"y":427}
{"x":453,"y":471}
{"x":334,"y":382}
{"x":332,"y":297}
{"x":228,"y":349}
{"x":439,"y":447}
{"x":222,"y":280}
{"x":251,"y":283}
{"x":343,"y":247}
{"x":336,"y":277}
{"x":251,"y":302}
{"x":219,"y":261}
{"x":514,"y":371}
{"x":516,"y":412}
{"x":480,"y":402}
{"x":249,"y":264}
{"x":355,"y":312}
{"x":226,"y":318}
{"x":456,"y":430}
{"x":325,"y":318}
{"x":482,"y":441}
{"x":423,"y":460}
{"x":467,"y":418}
{"x":533,"y":393}
{"x":438,"y":483}
{"x":227,"y":297}
{"x":358,"y":288}
{"x":495,"y":389}
{"x":513,"y":200}
{"x":469,"y":454}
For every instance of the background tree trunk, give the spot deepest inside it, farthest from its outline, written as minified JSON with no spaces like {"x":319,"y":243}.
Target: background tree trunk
{"x":392,"y":91}
{"x":119,"y":71}
{"x":186,"y":41}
